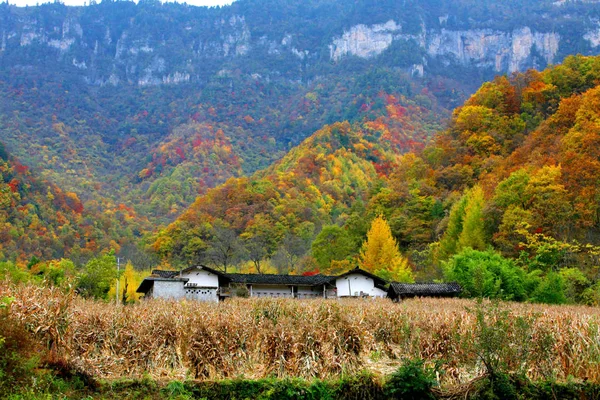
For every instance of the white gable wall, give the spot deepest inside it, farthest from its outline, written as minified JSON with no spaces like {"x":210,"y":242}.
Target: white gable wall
{"x":354,"y":284}
{"x":201,"y":278}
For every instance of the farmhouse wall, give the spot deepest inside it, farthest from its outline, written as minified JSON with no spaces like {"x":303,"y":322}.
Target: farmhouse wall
{"x":271,"y":291}
{"x":201,"y":278}
{"x":309,"y":292}
{"x":168,"y":289}
{"x":355,"y":284}
{"x":202,"y":294}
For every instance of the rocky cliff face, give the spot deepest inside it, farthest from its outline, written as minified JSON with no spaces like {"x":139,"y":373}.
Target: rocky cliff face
{"x":124,"y":51}
{"x":364,"y":41}
{"x":124,"y":43}
{"x":502,"y":51}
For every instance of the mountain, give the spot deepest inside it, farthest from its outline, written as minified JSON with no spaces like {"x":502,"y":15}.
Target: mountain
{"x":150,"y":104}
{"x":322,"y":181}
{"x":149,"y":43}
{"x":516,"y":169}
{"x":139,"y":108}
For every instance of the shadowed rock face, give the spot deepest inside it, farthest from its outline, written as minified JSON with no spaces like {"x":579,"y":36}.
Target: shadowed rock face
{"x":153,"y":44}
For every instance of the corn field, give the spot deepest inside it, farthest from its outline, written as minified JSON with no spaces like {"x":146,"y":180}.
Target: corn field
{"x":255,"y":338}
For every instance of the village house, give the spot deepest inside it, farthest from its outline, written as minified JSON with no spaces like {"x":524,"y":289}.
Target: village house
{"x":206,"y":284}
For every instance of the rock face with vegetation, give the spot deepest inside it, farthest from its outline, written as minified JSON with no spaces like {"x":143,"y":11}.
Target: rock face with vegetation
{"x":147,"y":105}
{"x":116,"y":43}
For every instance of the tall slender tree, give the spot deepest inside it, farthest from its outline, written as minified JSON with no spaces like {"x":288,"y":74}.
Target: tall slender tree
{"x":381,"y":256}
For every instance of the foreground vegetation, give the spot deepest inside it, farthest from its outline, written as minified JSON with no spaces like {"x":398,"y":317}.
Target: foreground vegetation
{"x":459,"y":340}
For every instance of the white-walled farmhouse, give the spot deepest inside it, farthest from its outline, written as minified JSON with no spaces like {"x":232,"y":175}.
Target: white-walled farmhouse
{"x":206,"y":284}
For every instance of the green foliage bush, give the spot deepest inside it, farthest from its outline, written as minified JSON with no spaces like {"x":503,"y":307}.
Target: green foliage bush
{"x":486,"y":274}
{"x":362,"y":386}
{"x":97,"y":276}
{"x":18,"y":353}
{"x":551,"y":290}
{"x":412,"y":381}
{"x":575,"y":284}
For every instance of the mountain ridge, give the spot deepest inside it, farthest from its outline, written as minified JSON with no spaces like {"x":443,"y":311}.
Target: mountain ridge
{"x":150,"y":43}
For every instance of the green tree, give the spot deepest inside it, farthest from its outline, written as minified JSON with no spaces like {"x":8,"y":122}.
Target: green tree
{"x":551,"y":290}
{"x":225,"y":247}
{"x":97,"y":276}
{"x":465,"y":225}
{"x":575,"y":283}
{"x":332,"y":243}
{"x":473,"y":234}
{"x":449,"y":241}
{"x":486,"y":274}
{"x":513,"y":190}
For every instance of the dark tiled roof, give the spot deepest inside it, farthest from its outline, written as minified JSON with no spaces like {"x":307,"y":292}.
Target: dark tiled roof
{"x":173,"y":274}
{"x":257,"y":279}
{"x":270,"y":279}
{"x":164,"y":274}
{"x":424,"y":289}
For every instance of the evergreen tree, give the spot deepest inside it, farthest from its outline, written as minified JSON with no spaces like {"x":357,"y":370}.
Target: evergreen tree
{"x":449,"y":242}
{"x":465,"y":225}
{"x":381,"y":256}
{"x":472,"y":234}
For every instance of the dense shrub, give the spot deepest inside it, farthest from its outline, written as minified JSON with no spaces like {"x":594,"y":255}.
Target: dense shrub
{"x":550,"y":290}
{"x":486,"y":274}
{"x":18,"y":351}
{"x":412,"y":381}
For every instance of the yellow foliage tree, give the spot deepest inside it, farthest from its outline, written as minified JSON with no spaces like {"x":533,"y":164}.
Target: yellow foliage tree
{"x":380,"y":254}
{"x":129,"y":281}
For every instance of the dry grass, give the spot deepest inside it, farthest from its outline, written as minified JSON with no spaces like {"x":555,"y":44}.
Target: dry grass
{"x":304,"y":338}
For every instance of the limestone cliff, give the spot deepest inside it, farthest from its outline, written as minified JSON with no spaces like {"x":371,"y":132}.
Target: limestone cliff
{"x":503,"y":51}
{"x":149,"y":43}
{"x":364,"y":41}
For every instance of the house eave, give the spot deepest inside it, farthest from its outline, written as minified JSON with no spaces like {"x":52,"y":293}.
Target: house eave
{"x":147,"y":283}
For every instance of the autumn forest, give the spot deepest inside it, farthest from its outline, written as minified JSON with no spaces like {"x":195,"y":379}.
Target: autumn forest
{"x":447,"y":142}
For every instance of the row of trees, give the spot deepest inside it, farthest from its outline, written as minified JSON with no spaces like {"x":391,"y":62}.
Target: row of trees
{"x":331,"y":251}
{"x":95,"y":279}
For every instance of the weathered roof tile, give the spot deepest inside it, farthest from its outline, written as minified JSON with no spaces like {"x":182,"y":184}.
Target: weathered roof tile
{"x":424,"y":289}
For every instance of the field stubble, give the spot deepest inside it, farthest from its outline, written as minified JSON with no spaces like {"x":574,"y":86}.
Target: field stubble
{"x":256,"y":338}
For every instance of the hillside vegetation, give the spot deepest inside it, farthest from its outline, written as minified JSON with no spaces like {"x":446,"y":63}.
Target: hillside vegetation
{"x":39,"y":220}
{"x":514,"y":171}
{"x":148,"y":104}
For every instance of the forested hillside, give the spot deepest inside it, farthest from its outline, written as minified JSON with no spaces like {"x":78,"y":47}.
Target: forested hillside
{"x":323,"y":181}
{"x":516,"y":170}
{"x":39,"y":220}
{"x":151,"y":104}
{"x":155,"y":149}
{"x":140,"y":108}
